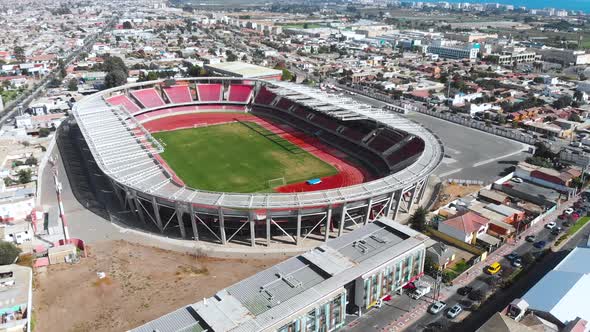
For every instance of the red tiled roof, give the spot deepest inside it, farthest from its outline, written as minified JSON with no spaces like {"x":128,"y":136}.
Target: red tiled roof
{"x":468,"y":223}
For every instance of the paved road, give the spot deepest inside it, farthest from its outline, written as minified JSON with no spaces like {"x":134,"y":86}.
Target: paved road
{"x":390,"y":318}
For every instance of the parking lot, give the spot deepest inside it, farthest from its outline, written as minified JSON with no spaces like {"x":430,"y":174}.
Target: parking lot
{"x":472,"y":154}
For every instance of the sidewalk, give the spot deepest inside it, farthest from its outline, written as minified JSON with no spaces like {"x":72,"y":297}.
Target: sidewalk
{"x":476,"y":270}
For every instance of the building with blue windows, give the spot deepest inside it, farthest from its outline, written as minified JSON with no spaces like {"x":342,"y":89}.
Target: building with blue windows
{"x":313,"y":291}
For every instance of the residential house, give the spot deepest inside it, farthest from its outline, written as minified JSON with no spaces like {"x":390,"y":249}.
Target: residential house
{"x":466,"y":227}
{"x":440,"y":254}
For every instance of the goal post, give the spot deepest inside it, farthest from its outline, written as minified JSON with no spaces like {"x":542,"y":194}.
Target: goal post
{"x":273,"y":183}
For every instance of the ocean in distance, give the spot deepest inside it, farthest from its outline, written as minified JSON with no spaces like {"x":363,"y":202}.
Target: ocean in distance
{"x":583,"y":5}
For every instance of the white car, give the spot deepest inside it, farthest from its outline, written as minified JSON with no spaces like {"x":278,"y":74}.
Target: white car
{"x":454,"y":311}
{"x":569,"y":211}
{"x":517,"y":180}
{"x":437,"y":307}
{"x":550,"y":225}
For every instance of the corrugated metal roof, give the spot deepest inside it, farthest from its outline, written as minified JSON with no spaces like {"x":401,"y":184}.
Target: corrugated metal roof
{"x":178,"y":320}
{"x":271,"y":296}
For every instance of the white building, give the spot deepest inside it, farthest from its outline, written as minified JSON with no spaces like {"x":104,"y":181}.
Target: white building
{"x":447,"y":50}
{"x":561,"y":295}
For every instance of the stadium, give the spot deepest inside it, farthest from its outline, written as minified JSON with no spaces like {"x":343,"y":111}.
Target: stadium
{"x":253,"y":162}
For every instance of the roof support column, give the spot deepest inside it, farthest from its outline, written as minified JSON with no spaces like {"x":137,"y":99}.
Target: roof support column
{"x":298,"y":236}
{"x":391,"y":204}
{"x":156,"y":208}
{"x":118,"y":192}
{"x":422,"y":189}
{"x":222,"y":226}
{"x":252,"y":230}
{"x":342,"y":219}
{"x":369,"y":208}
{"x":179,"y":215}
{"x":194,"y":223}
{"x":139,"y":207}
{"x":328,"y":224}
{"x":267,"y":229}
{"x":412,"y":196}
{"x":398,"y":195}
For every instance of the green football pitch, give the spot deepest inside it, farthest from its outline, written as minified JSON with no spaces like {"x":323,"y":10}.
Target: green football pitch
{"x":238,"y":157}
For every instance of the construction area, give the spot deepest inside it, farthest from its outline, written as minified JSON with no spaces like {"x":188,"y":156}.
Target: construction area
{"x":122,"y":285}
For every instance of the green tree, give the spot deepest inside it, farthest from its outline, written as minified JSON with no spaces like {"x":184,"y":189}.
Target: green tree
{"x":231,"y":56}
{"x":8,"y":253}
{"x":115,"y":78}
{"x":418,"y":219}
{"x":44,"y":132}
{"x":287,"y":75}
{"x":127,"y":25}
{"x":31,"y":161}
{"x":19,"y":54}
{"x":73,"y":85}
{"x":24,"y":176}
{"x":563,"y":101}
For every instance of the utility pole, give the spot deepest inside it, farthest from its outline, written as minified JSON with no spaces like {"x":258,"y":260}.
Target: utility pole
{"x":58,"y":191}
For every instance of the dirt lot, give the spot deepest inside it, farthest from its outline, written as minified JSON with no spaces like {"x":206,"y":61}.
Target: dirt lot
{"x":142,"y":283}
{"x":452,"y":191}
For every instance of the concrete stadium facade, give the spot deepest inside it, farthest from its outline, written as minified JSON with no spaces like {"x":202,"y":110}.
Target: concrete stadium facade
{"x":127,"y":157}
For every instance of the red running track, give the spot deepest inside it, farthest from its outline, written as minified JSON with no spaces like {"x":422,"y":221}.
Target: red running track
{"x":348,"y":173}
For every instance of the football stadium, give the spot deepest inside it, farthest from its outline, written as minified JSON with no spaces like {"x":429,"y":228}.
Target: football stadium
{"x":230,"y":160}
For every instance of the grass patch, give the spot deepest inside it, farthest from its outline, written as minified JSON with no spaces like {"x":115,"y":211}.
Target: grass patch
{"x":302,"y":26}
{"x":579,"y":224}
{"x":237,"y":157}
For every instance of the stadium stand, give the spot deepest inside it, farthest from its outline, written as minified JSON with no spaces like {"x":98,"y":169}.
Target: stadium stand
{"x":384,"y":139}
{"x":124,"y":101}
{"x":148,"y":98}
{"x":284,"y":104}
{"x":264,"y":97}
{"x":209,"y":92}
{"x":407,"y":152}
{"x":240,"y":93}
{"x":178,"y":94}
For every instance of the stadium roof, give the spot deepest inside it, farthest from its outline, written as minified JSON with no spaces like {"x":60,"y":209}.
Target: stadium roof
{"x":125,"y":151}
{"x":272,"y":295}
{"x":558,"y":292}
{"x":242,"y":69}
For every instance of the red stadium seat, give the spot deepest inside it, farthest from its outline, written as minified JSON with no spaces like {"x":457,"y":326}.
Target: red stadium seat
{"x":240,"y":93}
{"x":124,"y":101}
{"x":178,"y":94}
{"x":148,"y":98}
{"x":209,"y":92}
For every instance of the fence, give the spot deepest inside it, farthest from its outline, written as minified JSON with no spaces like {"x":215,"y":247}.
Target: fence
{"x":466,"y":182}
{"x":503,"y":132}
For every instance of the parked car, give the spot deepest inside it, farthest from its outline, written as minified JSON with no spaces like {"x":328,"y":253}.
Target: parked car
{"x":550,"y":225}
{"x":530,"y":238}
{"x":494,"y":268}
{"x":540,"y":244}
{"x":512,"y":256}
{"x":556,"y":231}
{"x":464,"y":290}
{"x":562,"y":216}
{"x":517,"y":180}
{"x":437,"y":307}
{"x":420,"y":291}
{"x":454,"y":311}
{"x":568,"y":211}
{"x":566,"y":224}
{"x":517,"y":262}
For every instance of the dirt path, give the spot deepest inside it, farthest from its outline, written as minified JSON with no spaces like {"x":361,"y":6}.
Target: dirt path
{"x":142,"y":283}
